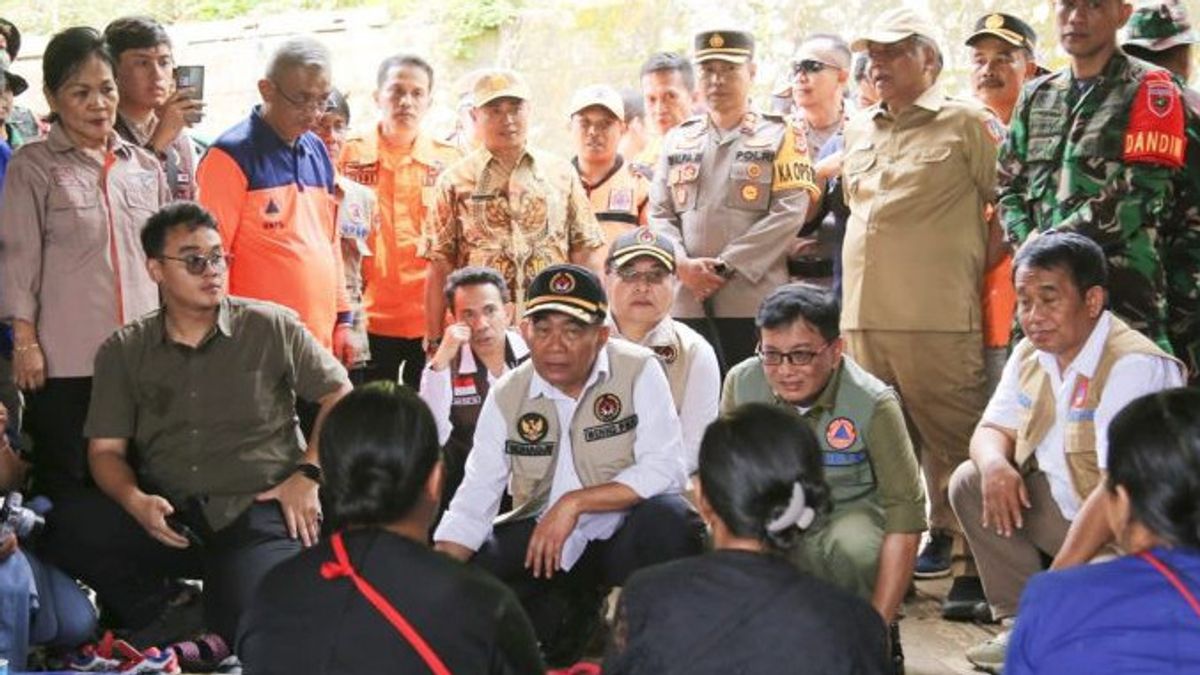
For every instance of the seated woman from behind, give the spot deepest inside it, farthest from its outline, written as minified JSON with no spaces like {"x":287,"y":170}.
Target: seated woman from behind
{"x":324,"y":612}
{"x":743,"y":608}
{"x":1139,"y":613}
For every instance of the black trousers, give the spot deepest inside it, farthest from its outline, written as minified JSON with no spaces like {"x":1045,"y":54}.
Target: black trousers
{"x":54,"y":418}
{"x":93,"y":539}
{"x":656,"y":530}
{"x":389,"y":353}
{"x":733,"y":340}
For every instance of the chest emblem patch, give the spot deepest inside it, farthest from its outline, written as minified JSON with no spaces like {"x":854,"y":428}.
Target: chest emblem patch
{"x":532,"y":427}
{"x":841,"y":433}
{"x":607,"y":408}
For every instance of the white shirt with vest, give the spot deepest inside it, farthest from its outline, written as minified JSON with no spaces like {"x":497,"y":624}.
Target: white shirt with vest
{"x":1132,"y":376}
{"x":700,"y":391}
{"x":658,"y":466}
{"x":437,"y":387}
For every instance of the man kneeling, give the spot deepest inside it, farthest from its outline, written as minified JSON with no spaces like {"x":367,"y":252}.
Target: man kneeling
{"x":586,"y":438}
{"x":1034,"y":484}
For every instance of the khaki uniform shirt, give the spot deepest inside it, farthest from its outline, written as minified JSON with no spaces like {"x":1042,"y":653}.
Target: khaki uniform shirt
{"x":215,"y":422}
{"x":71,"y":256}
{"x":538,"y":218}
{"x":619,"y":200}
{"x":178,"y":162}
{"x":917,"y":184}
{"x":728,"y":194}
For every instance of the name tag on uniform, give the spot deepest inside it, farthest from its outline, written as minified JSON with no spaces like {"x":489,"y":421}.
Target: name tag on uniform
{"x":528,"y":449}
{"x":603,"y":431}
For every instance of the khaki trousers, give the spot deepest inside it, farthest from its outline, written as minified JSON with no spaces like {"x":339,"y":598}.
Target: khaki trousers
{"x":941,"y":382}
{"x":1004,"y":563}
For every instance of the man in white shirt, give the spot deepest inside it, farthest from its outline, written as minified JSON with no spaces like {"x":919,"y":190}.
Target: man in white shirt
{"x":641,"y":282}
{"x":476,"y":349}
{"x":1034,"y":484}
{"x":593,"y":461}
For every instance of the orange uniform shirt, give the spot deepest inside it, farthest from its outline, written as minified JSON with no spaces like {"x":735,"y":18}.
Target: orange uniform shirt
{"x":403,"y":180}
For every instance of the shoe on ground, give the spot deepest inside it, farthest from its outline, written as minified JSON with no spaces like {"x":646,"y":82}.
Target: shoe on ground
{"x":934,"y":560}
{"x":966,"y":601}
{"x":148,"y":662}
{"x":97,"y":657}
{"x":988,"y":655}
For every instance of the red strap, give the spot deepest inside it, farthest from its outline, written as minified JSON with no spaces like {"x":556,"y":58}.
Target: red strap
{"x":342,"y":568}
{"x":1172,"y":578}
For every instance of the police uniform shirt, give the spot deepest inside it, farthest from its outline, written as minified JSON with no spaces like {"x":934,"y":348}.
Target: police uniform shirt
{"x":1132,"y":376}
{"x":657,"y":468}
{"x":438,"y":390}
{"x":698,"y":406}
{"x":728,"y":194}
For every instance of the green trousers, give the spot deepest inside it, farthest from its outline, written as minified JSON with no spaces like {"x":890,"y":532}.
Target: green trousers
{"x":843,"y":547}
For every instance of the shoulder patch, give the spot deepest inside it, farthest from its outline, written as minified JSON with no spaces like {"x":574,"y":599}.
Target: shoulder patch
{"x":1155,"y":134}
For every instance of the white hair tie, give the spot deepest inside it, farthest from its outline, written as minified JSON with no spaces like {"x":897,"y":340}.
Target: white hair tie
{"x":796,"y":514}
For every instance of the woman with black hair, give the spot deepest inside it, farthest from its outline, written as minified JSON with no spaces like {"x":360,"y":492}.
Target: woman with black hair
{"x":374,"y":598}
{"x":1139,"y":613}
{"x":744,"y":608}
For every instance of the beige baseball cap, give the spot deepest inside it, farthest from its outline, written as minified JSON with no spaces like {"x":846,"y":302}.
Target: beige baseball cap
{"x":598,"y":94}
{"x":498,"y":83}
{"x":895,"y":25}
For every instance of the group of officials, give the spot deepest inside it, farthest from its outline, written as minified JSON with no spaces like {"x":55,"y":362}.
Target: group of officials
{"x":575,"y":325}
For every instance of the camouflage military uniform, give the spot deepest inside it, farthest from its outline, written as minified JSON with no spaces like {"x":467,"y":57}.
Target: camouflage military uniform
{"x":1100,"y":160}
{"x":1180,"y":244}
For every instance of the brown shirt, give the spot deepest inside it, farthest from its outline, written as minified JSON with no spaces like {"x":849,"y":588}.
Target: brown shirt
{"x":519,"y":227}
{"x":217,"y":421}
{"x":916,"y":184}
{"x":70,"y":255}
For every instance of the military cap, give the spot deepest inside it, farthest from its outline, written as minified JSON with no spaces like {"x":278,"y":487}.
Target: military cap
{"x":598,"y":94}
{"x":15,"y":83}
{"x":735,"y":46}
{"x":894,"y":25}
{"x":1158,"y":26}
{"x":497,"y":83}
{"x":1006,"y":27}
{"x":638,"y":243}
{"x":12,"y":38}
{"x":569,"y":289}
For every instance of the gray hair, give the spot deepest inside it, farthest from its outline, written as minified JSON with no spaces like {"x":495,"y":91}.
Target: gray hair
{"x":301,"y":52}
{"x":931,"y":46}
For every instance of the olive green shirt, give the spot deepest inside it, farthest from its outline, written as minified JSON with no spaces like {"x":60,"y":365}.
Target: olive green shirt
{"x":216,"y":422}
{"x":898,"y":490}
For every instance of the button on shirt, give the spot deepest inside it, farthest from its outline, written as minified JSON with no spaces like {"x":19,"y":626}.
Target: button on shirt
{"x":217,"y":421}
{"x":657,"y":468}
{"x":1132,"y":376}
{"x":71,"y":259}
{"x":438,"y":392}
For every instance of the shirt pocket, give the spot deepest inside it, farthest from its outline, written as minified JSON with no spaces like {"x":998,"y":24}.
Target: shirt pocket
{"x":749,"y":186}
{"x":857,"y":165}
{"x":73,"y":218}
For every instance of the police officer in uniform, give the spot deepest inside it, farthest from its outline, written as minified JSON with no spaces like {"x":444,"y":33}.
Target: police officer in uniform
{"x":868,"y":543}
{"x":731,"y":190}
{"x":593,"y":461}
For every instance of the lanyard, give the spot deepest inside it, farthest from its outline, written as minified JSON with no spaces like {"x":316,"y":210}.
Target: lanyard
{"x":1172,"y":578}
{"x":341,"y":567}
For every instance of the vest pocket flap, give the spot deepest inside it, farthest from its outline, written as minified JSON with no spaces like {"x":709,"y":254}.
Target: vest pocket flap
{"x":933,"y":154}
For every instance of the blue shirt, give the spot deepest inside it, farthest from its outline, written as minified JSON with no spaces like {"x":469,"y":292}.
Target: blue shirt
{"x":1121,"y":616}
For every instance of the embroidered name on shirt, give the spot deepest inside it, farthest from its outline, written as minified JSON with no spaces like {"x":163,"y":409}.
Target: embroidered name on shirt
{"x":603,"y":431}
{"x":528,"y":449}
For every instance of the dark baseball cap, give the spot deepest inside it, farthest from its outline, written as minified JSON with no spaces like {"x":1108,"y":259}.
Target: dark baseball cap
{"x":641,"y":242}
{"x":569,"y":289}
{"x":1006,"y":27}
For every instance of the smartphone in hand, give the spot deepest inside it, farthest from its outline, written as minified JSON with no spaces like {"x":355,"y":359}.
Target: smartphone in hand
{"x":190,"y":81}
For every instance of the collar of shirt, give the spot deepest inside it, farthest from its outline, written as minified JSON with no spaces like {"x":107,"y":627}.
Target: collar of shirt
{"x":422,"y":150}
{"x":620,"y":162}
{"x":1088,"y":358}
{"x":266,"y":141}
{"x":141,"y":132}
{"x":466,"y":358}
{"x":661,"y":335}
{"x":932,"y":99}
{"x":224,"y":324}
{"x":828,"y":396}
{"x":58,"y":141}
{"x":485,"y":158}
{"x":539,"y":387}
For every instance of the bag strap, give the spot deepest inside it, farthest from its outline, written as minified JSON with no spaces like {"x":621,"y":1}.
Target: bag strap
{"x":341,"y":567}
{"x":1171,"y":578}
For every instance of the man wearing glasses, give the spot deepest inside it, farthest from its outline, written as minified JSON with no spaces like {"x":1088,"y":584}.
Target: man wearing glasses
{"x":269,"y":183}
{"x":868,"y":543}
{"x":205,"y":390}
{"x":641,"y":282}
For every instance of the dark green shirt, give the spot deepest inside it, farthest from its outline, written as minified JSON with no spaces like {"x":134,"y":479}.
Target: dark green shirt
{"x":215,"y":422}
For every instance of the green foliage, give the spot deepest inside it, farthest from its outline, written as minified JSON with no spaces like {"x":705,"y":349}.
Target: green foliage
{"x":466,"y":21}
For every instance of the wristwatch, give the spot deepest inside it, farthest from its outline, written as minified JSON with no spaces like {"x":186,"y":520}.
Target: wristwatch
{"x":310,"y":471}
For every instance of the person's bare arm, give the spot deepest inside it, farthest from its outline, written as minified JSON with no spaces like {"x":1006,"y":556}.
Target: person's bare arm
{"x":435,"y":298}
{"x":543,"y":556}
{"x":1089,"y":531}
{"x":897,"y":558}
{"x":1004,"y":492}
{"x":113,"y":475}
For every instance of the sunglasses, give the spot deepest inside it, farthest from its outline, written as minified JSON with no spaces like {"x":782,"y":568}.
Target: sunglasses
{"x":198,"y":264}
{"x":808,"y":67}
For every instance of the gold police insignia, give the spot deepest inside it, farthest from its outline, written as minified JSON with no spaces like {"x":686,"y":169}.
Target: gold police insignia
{"x":532,"y":427}
{"x":749,"y":192}
{"x":993,"y":22}
{"x":716,"y":41}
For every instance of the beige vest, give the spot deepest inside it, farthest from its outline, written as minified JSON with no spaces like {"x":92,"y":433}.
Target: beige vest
{"x":602,"y":431}
{"x":677,"y":357}
{"x":1037,"y":402}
